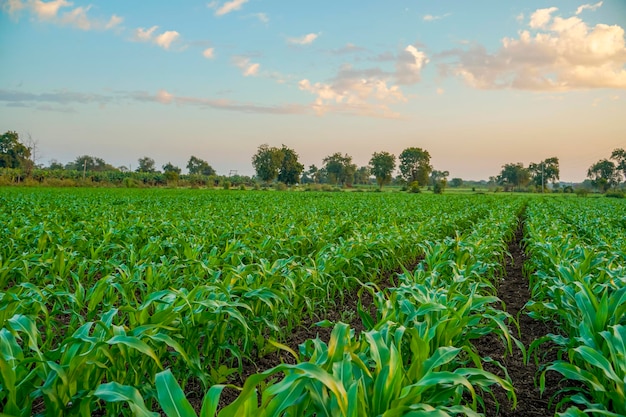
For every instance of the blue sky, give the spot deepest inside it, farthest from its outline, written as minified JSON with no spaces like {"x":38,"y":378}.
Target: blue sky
{"x":477,"y":84}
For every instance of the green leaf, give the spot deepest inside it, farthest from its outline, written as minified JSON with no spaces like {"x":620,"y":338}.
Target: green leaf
{"x":171,"y":397}
{"x":115,"y":392}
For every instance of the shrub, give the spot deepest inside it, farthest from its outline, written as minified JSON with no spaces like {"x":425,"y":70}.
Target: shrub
{"x":581,"y":192}
{"x":615,"y":194}
{"x":414,"y":187}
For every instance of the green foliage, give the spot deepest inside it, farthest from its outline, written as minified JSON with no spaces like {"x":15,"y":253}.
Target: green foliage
{"x":146,"y":165}
{"x":13,"y":153}
{"x":267,"y":162}
{"x":415,"y":165}
{"x":339,"y":169}
{"x":513,"y":176}
{"x":382,"y":165}
{"x":604,"y":175}
{"x":197,"y":166}
{"x":414,"y":187}
{"x":290,"y":169}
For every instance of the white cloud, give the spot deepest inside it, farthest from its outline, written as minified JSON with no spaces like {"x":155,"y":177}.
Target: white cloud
{"x":431,"y":18}
{"x":563,"y":54}
{"x":144,"y":35}
{"x":209,"y":53}
{"x":164,"y":97}
{"x":165,"y":39}
{"x":303,"y":40}
{"x":114,"y":21}
{"x":78,"y":18}
{"x":353,"y":92}
{"x":591,"y":7}
{"x":48,"y":10}
{"x":13,"y":7}
{"x":409,"y":65}
{"x":541,"y":17}
{"x":248,"y":68}
{"x":229,"y":6}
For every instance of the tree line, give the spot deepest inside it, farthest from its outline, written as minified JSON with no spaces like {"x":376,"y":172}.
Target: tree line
{"x":282,"y":166}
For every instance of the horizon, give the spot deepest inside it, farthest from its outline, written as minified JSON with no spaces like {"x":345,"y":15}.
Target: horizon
{"x":477,"y":87}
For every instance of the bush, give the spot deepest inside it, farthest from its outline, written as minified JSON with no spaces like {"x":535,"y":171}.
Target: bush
{"x":414,"y":187}
{"x":581,"y":192}
{"x":280,"y":186}
{"x":615,"y":194}
{"x":226,"y":185}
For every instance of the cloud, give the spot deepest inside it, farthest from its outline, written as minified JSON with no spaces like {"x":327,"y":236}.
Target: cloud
{"x":562,"y":54}
{"x":60,"y":100}
{"x":431,"y":18}
{"x":348,"y":48}
{"x":363,"y":93}
{"x":51,"y":11}
{"x":144,"y":35}
{"x":303,"y":40}
{"x":229,"y":6}
{"x":209,"y":53}
{"x":591,"y":7}
{"x":48,"y":10}
{"x":541,"y":17}
{"x":13,"y":7}
{"x":409,"y":65}
{"x":165,"y":39}
{"x":248,"y":68}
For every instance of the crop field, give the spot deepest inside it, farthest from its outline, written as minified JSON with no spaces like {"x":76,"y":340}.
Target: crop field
{"x":253,"y":303}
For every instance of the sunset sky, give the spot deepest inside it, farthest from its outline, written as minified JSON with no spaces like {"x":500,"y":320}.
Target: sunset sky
{"x":476,"y":83}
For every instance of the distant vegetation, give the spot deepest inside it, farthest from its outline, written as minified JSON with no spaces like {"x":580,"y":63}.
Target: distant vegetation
{"x":280,"y":168}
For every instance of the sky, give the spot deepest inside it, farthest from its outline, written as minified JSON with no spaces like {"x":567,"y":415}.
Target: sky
{"x":477,"y":84}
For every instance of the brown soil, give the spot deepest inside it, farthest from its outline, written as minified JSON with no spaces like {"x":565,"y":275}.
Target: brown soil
{"x":513,"y":291}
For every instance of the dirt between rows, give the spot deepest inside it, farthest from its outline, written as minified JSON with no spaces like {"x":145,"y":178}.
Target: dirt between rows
{"x":512,"y":290}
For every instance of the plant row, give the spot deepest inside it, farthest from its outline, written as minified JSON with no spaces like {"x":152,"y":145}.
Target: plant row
{"x":578,"y":282}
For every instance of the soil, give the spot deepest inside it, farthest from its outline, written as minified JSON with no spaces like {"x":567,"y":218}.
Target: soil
{"x":513,"y":291}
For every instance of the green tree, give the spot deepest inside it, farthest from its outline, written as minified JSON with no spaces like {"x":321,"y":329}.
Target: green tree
{"x":604,"y":175}
{"x":456,"y":182}
{"x":290,"y":169}
{"x":146,"y":164}
{"x":339,"y":169}
{"x":55,"y":165}
{"x":382,"y":165}
{"x":90,"y":164}
{"x":13,"y":153}
{"x":197,"y":166}
{"x":362,"y":175}
{"x":619,"y":156}
{"x":513,"y":175}
{"x":545,"y":171}
{"x":171,"y":172}
{"x":439,"y":180}
{"x":267,"y":162}
{"x":415,"y":165}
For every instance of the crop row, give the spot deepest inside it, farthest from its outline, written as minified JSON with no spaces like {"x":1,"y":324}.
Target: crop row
{"x":415,"y":356}
{"x":101,"y":287}
{"x":578,"y":282}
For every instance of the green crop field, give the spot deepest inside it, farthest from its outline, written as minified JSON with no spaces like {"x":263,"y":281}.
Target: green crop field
{"x":130,"y":302}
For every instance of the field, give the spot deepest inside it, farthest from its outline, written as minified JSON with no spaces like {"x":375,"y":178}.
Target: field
{"x":264,"y":303}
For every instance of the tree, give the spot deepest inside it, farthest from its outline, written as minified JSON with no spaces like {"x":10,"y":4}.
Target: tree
{"x":513,"y":175}
{"x":146,"y":164}
{"x":544,"y":171}
{"x":13,"y":153}
{"x":197,"y":166}
{"x":89,"y":163}
{"x":604,"y":175}
{"x":339,"y":169}
{"x":290,"y":169}
{"x":456,"y":182}
{"x":171,"y":172}
{"x":439,"y":180}
{"x":415,"y":165}
{"x":382,"y":165}
{"x":619,"y":156}
{"x":267,"y":162}
{"x":314,"y":173}
{"x":362,"y":175}
{"x":55,"y":165}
